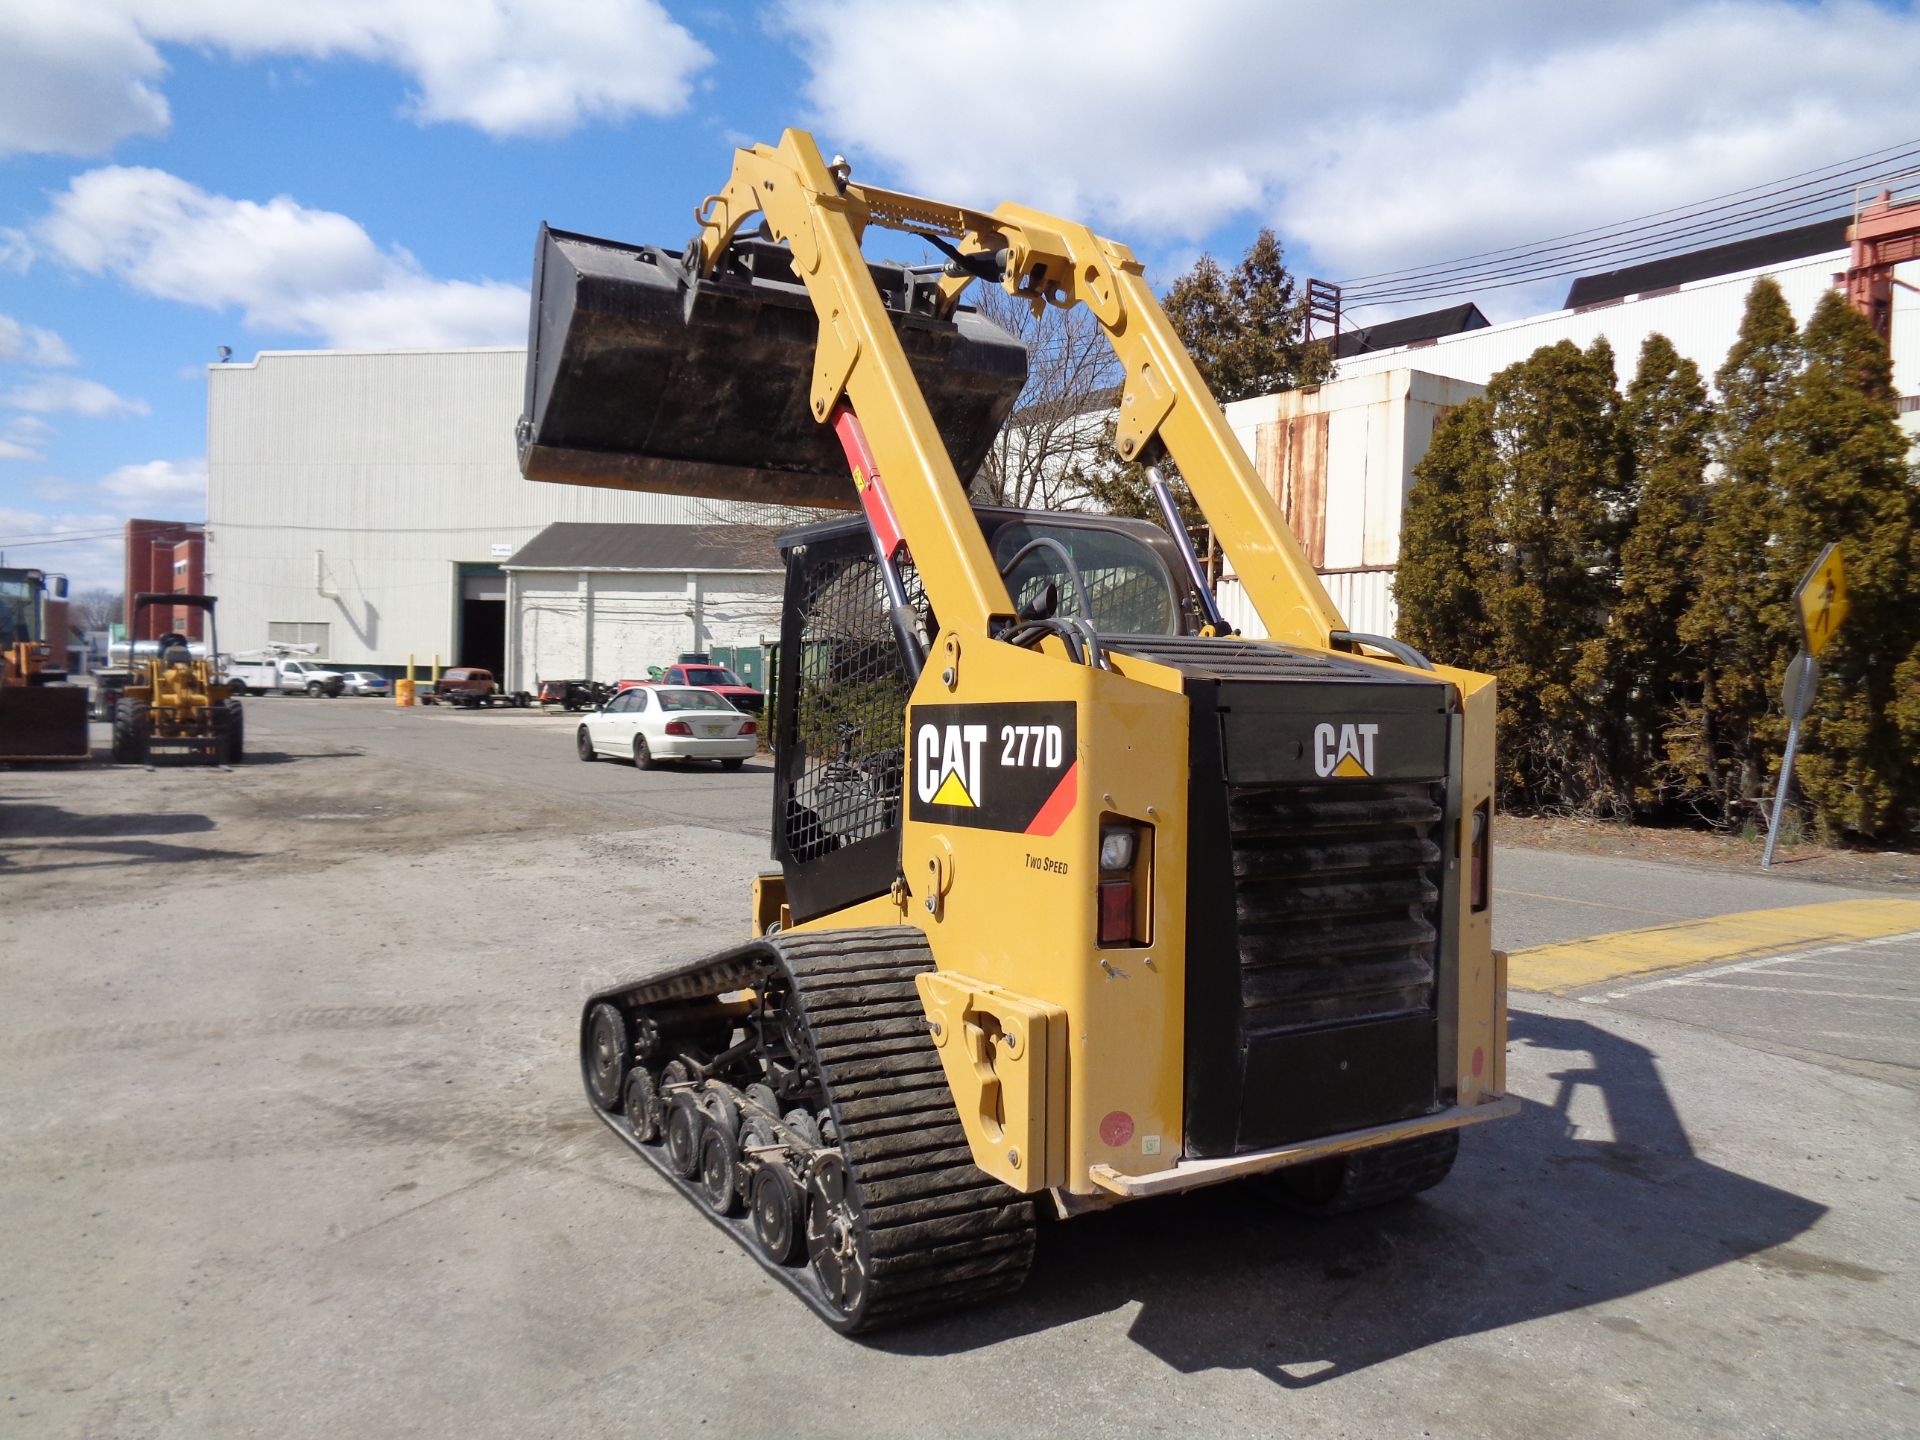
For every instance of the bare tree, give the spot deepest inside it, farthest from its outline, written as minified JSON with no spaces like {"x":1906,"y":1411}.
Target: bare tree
{"x":1058,"y":430}
{"x":97,"y":608}
{"x":1057,"y":438}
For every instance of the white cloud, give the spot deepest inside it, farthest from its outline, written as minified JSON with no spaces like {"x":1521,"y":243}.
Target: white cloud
{"x":159,"y":480}
{"x":1376,"y":135}
{"x":79,"y":75}
{"x":31,"y":345}
{"x":285,"y":267}
{"x":70,"y":393}
{"x":75,"y":77}
{"x":22,"y":437}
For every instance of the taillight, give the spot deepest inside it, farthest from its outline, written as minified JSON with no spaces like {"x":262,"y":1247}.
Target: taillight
{"x":1478,"y":872}
{"x":679,"y":727}
{"x":1124,"y":857}
{"x":1116,"y":912}
{"x":750,"y":728}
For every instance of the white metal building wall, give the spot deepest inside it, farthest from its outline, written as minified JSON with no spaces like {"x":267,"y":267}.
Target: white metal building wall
{"x":1339,"y":461}
{"x":1702,"y":319}
{"x":612,"y":624}
{"x":345,"y":488}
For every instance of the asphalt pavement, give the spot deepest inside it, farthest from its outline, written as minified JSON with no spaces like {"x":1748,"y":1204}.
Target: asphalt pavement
{"x":293,"y":1144}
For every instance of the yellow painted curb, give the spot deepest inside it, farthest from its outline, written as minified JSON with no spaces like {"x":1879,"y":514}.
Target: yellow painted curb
{"x":1744,"y":935}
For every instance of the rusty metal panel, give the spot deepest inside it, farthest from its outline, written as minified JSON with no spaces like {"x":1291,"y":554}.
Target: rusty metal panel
{"x":1291,"y":457}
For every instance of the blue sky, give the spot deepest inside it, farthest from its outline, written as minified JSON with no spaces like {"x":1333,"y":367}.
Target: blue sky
{"x":177,"y":175}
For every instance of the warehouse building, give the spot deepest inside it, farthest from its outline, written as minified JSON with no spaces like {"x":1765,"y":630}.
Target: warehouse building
{"x":362,"y":502}
{"x":604,"y":602}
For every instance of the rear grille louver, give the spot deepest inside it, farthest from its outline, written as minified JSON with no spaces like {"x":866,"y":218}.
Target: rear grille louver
{"x":1337,"y":894}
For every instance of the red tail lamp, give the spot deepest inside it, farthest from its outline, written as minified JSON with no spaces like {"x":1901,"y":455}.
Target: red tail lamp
{"x":1122,"y":862}
{"x":679,"y":727}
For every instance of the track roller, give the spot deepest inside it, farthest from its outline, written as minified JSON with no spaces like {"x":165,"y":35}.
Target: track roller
{"x":685,"y":1121}
{"x":642,"y":1107}
{"x":779,"y":1214}
{"x":719,"y":1177}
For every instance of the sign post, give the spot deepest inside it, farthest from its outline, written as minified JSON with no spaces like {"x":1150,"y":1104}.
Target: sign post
{"x":1821,"y":601}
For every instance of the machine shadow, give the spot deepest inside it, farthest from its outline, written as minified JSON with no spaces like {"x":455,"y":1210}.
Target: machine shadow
{"x":1534,"y":1221}
{"x":119,"y":853}
{"x":20,"y":821}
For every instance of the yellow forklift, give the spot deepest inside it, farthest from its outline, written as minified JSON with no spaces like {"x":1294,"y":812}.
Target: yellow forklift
{"x":174,"y":700}
{"x":1083,"y":898}
{"x":42,"y":716}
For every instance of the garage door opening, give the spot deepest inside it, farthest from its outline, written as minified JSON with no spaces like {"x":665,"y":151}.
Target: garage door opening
{"x":482,"y":639}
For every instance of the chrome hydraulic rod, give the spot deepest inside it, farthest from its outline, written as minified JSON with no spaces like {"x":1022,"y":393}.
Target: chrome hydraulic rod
{"x":1177,"y":528}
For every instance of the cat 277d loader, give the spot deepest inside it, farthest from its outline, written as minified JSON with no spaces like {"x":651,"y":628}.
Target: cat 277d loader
{"x":1082,"y":897}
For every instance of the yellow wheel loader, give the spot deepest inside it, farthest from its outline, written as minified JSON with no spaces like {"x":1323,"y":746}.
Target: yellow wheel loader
{"x":42,"y":717}
{"x":1083,"y":898}
{"x":173,"y":701}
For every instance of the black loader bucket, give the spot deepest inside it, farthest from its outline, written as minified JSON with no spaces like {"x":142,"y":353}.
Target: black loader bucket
{"x":43,"y":722}
{"x":643,"y":376}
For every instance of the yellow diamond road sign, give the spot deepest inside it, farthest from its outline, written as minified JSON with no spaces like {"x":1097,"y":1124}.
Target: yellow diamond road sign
{"x":1822,"y":600}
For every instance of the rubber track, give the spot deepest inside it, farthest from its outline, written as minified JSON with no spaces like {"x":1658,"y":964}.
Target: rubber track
{"x":940,"y":1231}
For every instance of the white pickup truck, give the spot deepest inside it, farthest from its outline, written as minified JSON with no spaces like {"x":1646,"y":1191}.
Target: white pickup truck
{"x":282,"y":675}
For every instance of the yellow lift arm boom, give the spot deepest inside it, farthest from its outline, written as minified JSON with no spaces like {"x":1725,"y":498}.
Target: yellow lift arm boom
{"x":822,"y":216}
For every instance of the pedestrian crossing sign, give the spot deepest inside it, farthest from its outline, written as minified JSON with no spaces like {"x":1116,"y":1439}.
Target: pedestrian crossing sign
{"x":1822,"y":600}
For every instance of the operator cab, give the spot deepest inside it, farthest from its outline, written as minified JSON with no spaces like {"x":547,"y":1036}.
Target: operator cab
{"x":839,"y":711}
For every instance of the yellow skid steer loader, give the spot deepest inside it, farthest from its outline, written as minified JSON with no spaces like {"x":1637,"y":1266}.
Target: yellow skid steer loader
{"x":1082,"y":898}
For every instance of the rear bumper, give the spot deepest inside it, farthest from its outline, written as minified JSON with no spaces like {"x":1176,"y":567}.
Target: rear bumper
{"x":693,"y":747}
{"x":1193,"y":1174}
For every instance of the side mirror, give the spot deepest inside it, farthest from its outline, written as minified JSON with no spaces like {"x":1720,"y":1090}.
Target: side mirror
{"x":57,"y":587}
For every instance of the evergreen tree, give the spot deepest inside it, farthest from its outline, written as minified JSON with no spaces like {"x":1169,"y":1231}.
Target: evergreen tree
{"x":1246,"y":328}
{"x":1740,"y":623}
{"x":1655,"y":676}
{"x":1445,"y":542}
{"x":1558,"y":517}
{"x":1842,"y":476}
{"x":1510,"y":561}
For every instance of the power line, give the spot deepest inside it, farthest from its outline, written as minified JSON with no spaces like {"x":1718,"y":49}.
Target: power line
{"x":1765,"y":207}
{"x":69,"y":537}
{"x":1877,"y":156}
{"x":1545,"y":265}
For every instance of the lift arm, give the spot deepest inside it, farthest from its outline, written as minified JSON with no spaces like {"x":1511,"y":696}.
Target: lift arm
{"x":815,"y":209}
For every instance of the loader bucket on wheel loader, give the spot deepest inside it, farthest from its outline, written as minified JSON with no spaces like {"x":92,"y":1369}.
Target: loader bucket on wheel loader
{"x":642,"y":375}
{"x":43,"y":722}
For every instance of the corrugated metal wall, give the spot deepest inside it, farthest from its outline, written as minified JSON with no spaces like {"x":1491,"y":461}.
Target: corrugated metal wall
{"x":610,"y":626}
{"x":1364,"y":599}
{"x":345,"y":489}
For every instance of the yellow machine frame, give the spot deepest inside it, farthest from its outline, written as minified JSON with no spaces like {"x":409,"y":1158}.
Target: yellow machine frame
{"x":1046,"y":1038}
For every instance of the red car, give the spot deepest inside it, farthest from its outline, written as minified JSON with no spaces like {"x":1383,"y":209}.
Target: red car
{"x":740,"y":695}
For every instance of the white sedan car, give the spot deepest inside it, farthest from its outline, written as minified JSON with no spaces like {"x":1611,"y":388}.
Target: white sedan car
{"x":669,"y":722}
